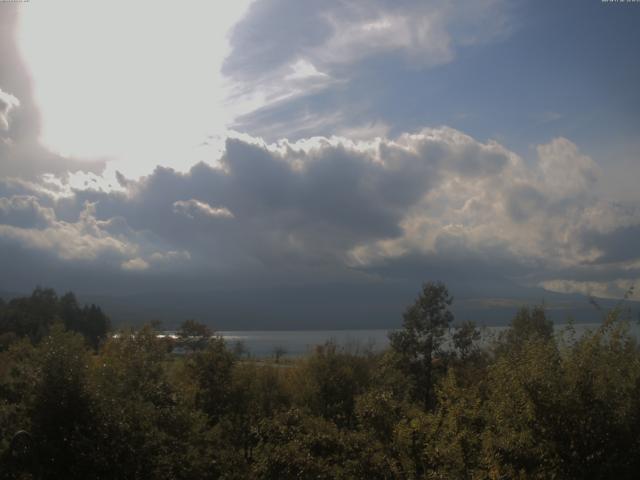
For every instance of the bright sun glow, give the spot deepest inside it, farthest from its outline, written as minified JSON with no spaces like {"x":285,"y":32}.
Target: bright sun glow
{"x":137,"y":82}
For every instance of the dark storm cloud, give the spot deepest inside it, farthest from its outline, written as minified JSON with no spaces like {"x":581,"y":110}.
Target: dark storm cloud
{"x":308,"y":204}
{"x":433,"y":203}
{"x":619,"y":245}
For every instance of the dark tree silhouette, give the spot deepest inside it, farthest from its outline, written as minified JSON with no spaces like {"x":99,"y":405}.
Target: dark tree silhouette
{"x":33,"y":317}
{"x":425,"y":323}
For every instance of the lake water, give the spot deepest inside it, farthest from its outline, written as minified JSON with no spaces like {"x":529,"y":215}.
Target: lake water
{"x":300,"y":342}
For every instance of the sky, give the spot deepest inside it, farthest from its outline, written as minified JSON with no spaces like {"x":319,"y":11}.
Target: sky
{"x":281,"y":157}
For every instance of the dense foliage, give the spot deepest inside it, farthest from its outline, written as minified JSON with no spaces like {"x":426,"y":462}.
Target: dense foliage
{"x":33,"y":317}
{"x":527,"y":404}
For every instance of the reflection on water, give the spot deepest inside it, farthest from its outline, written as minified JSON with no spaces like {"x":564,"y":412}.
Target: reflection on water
{"x":300,"y":342}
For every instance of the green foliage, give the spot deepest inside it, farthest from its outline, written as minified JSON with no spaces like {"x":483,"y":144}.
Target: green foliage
{"x":378,"y":413}
{"x":566,"y":413}
{"x":211,"y":371}
{"x":529,"y":324}
{"x":194,"y":335}
{"x":531,"y":406}
{"x":295,"y":445}
{"x":601,"y":399}
{"x":329,"y":381}
{"x":19,"y":375}
{"x":465,"y":339}
{"x":63,"y":421}
{"x":456,"y":447}
{"x":257,"y":393}
{"x":33,"y":317}
{"x":523,"y":391}
{"x":193,"y":328}
{"x":147,"y":428}
{"x":424,"y":326}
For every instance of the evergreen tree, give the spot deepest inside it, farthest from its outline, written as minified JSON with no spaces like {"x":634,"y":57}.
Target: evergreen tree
{"x":424,"y":326}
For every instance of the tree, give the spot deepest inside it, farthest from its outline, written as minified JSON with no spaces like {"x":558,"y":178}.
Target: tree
{"x":278,"y":352}
{"x":194,"y":335}
{"x":528,"y":325}
{"x":63,"y":422}
{"x":20,"y":373}
{"x":147,"y":429}
{"x":454,"y":448}
{"x":30,"y":316}
{"x":329,"y":381}
{"x":90,"y":321}
{"x":95,"y":325}
{"x":465,"y":338}
{"x":193,"y":328}
{"x":33,"y":317}
{"x":424,"y":326}
{"x":211,"y":370}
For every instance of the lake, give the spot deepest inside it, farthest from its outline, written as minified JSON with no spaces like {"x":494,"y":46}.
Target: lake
{"x":263,"y":343}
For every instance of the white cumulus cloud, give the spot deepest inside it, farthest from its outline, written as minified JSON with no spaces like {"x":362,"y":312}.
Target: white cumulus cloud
{"x":135,"y":264}
{"x":194,"y":207}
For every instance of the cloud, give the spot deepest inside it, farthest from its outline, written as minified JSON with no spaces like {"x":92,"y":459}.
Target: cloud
{"x":24,"y":211}
{"x":170,"y":257}
{"x":422,"y":38}
{"x":25,"y":158}
{"x":285,"y":53}
{"x":36,"y":231}
{"x":616,"y":289}
{"x":135,"y":264}
{"x":192,"y":208}
{"x":279,"y":33}
{"x":7,"y":103}
{"x":83,"y":240}
{"x":435,"y":202}
{"x":565,"y":170}
{"x":357,"y":192}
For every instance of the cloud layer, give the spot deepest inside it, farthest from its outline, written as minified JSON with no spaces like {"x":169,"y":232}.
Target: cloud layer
{"x":299,"y":66}
{"x":360,"y":198}
{"x":334,"y":209}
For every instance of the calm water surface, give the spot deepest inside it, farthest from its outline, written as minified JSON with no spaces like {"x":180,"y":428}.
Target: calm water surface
{"x":300,"y":342}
